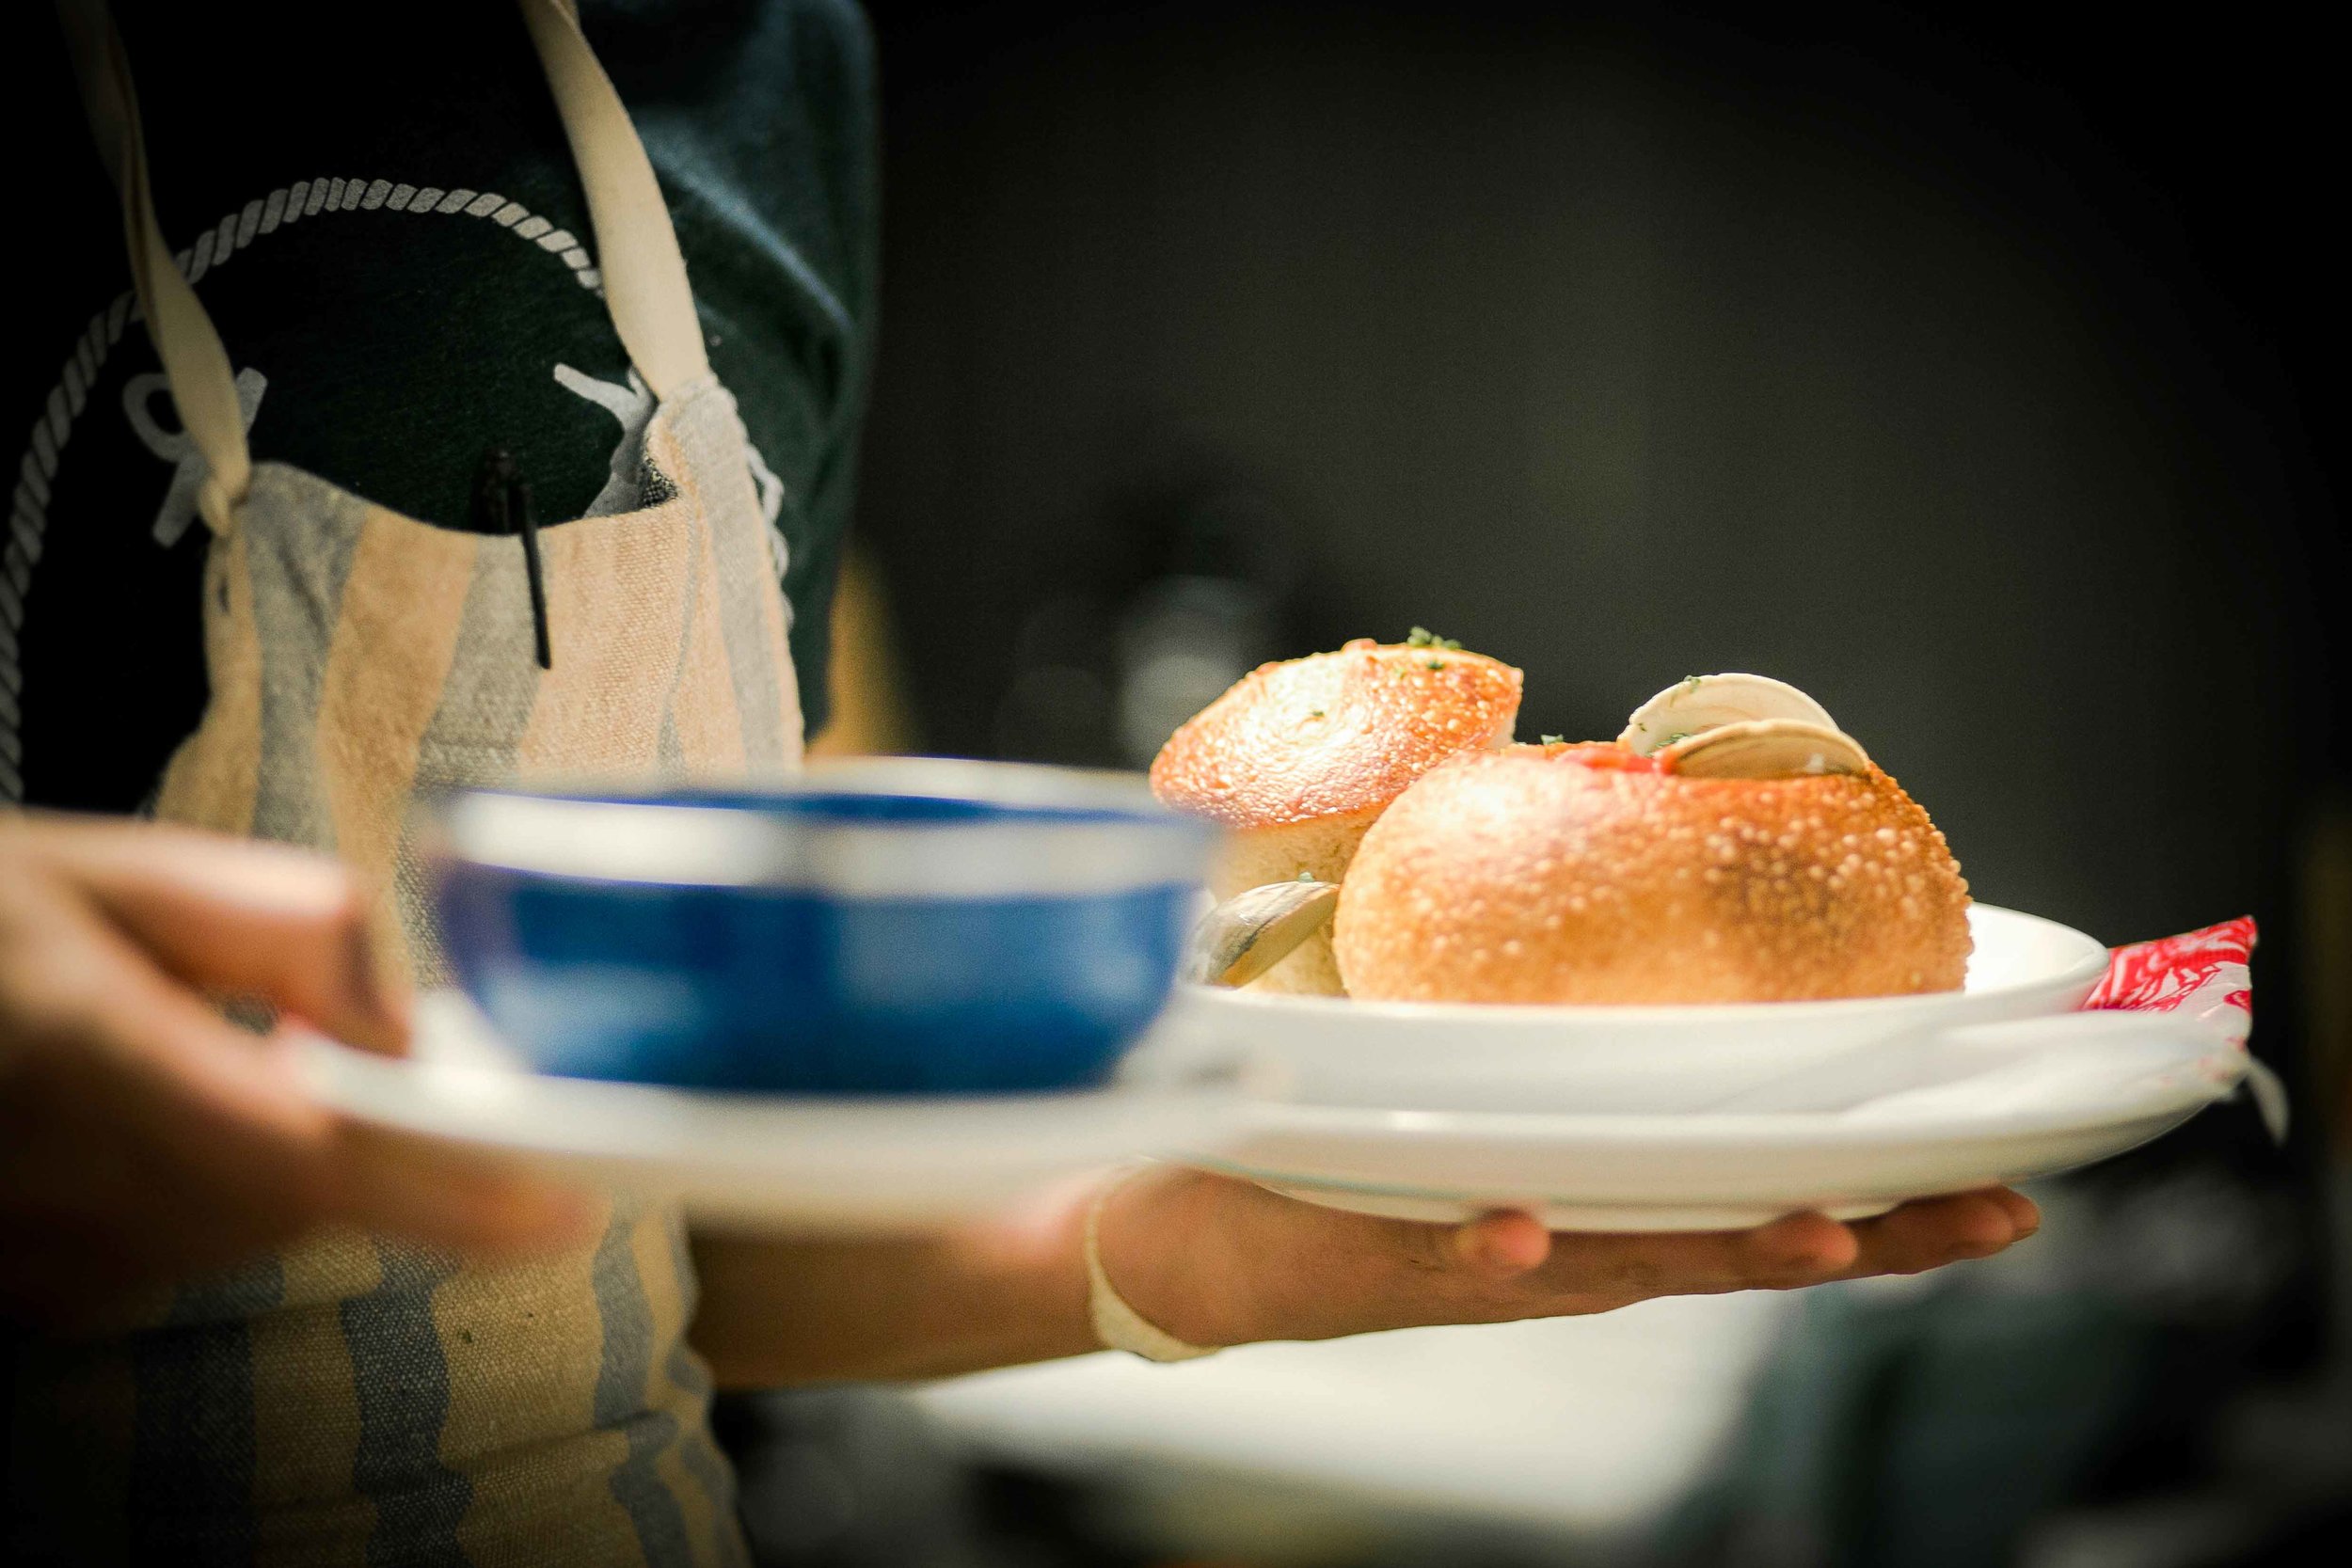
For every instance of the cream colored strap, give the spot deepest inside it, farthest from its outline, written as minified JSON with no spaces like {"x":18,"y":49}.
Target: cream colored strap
{"x":203,"y":388}
{"x":1117,"y":1326}
{"x":644,"y":277}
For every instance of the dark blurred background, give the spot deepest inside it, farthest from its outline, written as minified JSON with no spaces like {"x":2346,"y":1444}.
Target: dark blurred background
{"x":1974,"y":370}
{"x":1959,"y":371}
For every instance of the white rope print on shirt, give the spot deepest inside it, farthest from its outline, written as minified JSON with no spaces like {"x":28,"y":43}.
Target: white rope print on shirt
{"x":28,"y":506}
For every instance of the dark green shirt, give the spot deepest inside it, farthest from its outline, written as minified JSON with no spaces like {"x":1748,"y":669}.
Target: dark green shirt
{"x":390,"y":320}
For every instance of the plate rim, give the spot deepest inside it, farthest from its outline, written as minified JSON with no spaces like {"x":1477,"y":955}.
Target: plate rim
{"x":2084,"y":971}
{"x":2147,"y":1127}
{"x":662,"y":1117}
{"x":1732,"y":1131}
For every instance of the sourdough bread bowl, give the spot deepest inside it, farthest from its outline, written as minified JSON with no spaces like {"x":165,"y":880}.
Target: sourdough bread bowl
{"x":1602,"y":873}
{"x":1300,"y":757}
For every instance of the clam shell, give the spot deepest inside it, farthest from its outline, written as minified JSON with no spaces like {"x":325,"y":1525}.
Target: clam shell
{"x":1765,"y":749}
{"x":1256,"y":928}
{"x":1706,"y":701}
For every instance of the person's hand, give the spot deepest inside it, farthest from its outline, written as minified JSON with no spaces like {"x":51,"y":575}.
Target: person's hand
{"x":1217,"y":1261}
{"x":144,"y":1138}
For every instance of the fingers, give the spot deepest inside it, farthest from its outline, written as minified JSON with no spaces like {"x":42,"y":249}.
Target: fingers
{"x":1931,"y":1232}
{"x":232,"y":1110}
{"x":1798,"y":1247}
{"x":1501,"y":1244}
{"x":442,"y":1197}
{"x":2024,"y":1214}
{"x":1511,"y":1243}
{"x":1593,"y":1272}
{"x":1385,"y":1273}
{"x":142,"y":1156}
{"x":229,"y":916}
{"x":144,"y":1138}
{"x":113,"y":1040}
{"x":1255,"y":1265}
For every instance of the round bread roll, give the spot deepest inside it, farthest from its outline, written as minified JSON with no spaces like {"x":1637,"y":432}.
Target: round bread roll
{"x":1299,"y":757}
{"x":1590,"y":873}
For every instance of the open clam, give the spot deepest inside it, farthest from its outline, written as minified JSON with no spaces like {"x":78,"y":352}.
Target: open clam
{"x":1255,"y":930}
{"x":1765,"y":749}
{"x":1741,"y":727}
{"x":1707,"y":702}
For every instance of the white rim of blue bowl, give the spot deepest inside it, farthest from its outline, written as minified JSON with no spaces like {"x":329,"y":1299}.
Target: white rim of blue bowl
{"x":650,"y":843}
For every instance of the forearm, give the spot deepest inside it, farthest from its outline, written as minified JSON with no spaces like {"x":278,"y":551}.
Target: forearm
{"x":794,"y":1310}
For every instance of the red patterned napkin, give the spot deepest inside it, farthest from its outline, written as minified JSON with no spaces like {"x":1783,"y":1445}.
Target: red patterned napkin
{"x":2202,"y":975}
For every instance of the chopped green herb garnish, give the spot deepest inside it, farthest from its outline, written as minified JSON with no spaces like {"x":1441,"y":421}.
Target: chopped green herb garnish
{"x":1305,"y":877}
{"x":1691,"y":682}
{"x":1422,"y":637}
{"x":1678,"y":735}
{"x":1555,"y":741}
{"x":1436,"y":664}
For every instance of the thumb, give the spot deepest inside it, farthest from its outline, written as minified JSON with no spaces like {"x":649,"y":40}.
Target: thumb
{"x":1503,"y":1245}
{"x":226,"y":915}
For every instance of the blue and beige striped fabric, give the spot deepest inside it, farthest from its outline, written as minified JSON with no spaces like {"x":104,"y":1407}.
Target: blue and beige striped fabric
{"x":352,"y":1401}
{"x":357,"y":1402}
{"x":358,"y":656}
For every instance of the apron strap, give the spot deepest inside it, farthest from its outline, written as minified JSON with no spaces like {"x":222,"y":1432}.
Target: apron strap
{"x":194,"y":364}
{"x":645,"y":275}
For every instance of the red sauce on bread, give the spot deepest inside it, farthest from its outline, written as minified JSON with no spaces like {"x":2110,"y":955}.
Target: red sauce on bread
{"x":1610,"y":756}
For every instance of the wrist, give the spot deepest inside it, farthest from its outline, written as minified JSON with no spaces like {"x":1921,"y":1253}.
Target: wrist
{"x":1163,"y":1238}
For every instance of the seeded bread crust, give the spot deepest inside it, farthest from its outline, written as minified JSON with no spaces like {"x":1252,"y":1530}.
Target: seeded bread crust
{"x":1300,"y":757}
{"x":1526,"y":876}
{"x":1334,"y":735}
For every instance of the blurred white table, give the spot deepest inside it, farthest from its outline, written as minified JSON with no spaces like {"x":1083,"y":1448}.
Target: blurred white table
{"x":1588,"y":1424}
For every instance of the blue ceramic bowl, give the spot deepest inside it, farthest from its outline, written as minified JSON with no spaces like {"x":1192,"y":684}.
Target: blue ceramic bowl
{"x":914,"y":927}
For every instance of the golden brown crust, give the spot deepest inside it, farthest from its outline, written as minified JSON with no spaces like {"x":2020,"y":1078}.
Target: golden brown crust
{"x":1527,"y":876}
{"x":1334,"y":734}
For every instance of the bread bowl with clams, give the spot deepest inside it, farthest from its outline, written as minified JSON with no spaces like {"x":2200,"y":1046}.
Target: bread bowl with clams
{"x":1597,"y":874}
{"x":1301,"y":757}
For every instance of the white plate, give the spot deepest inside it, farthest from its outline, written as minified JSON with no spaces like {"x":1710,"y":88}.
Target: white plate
{"x":1464,"y":1056}
{"x":1701,"y":1172}
{"x":880,"y":1164}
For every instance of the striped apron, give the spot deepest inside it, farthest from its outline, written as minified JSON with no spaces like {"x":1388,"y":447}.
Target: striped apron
{"x":354,"y":1400}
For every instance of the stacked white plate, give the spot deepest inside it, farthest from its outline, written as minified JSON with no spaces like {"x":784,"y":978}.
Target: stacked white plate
{"x":877,"y":1164}
{"x":1704,"y":1117}
{"x":1593,"y":1118}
